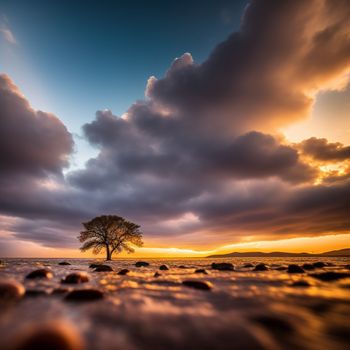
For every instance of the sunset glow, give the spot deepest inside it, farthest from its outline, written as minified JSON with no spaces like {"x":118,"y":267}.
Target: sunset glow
{"x":293,"y":245}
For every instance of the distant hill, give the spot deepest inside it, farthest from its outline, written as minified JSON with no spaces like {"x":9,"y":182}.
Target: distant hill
{"x":339,"y":253}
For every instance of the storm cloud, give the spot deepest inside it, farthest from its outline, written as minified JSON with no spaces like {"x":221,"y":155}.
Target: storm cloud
{"x":322,"y":150}
{"x":32,"y":143}
{"x":264,"y":76}
{"x":35,"y":148}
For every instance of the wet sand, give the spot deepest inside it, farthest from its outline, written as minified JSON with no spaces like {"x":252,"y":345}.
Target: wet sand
{"x":187,"y":304}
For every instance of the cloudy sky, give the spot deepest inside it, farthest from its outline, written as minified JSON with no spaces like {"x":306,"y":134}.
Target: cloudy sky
{"x":218,"y":126}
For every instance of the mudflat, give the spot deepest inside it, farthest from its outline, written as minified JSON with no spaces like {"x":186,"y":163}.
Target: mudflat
{"x":285,"y":303}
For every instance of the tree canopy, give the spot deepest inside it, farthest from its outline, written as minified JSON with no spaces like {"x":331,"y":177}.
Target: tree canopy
{"x":111,"y":233}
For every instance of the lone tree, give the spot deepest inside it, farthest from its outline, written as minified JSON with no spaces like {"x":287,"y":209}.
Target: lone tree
{"x":111,"y":233}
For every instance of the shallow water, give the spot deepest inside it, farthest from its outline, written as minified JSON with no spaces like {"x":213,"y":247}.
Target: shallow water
{"x":243,"y":310}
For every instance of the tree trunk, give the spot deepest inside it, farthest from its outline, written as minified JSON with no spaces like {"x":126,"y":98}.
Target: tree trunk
{"x":109,"y":255}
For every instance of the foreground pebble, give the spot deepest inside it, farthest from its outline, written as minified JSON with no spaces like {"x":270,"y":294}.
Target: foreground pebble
{"x":308,"y":267}
{"x":11,"y":290}
{"x":222,"y":266}
{"x":41,"y":273}
{"x":103,"y":268}
{"x":319,"y":264}
{"x":93,"y":266}
{"x":260,"y":267}
{"x":202,"y":285}
{"x":205,"y":272}
{"x":330,"y":276}
{"x":123,"y":272}
{"x":294,"y":269}
{"x":163,"y":267}
{"x":76,"y":277}
{"x":84,"y":295}
{"x":141,"y":264}
{"x":49,"y":336}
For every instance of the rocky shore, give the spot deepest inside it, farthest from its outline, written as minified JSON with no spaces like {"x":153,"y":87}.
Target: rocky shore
{"x":175,"y":304}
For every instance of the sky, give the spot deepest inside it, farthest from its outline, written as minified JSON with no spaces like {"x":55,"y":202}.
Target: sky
{"x":216,"y":126}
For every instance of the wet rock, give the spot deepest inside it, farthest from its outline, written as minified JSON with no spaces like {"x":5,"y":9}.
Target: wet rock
{"x":248,"y":265}
{"x":156,"y":274}
{"x":142,"y":264}
{"x":11,"y":290}
{"x":76,"y":277}
{"x":202,"y":285}
{"x":84,"y":295}
{"x":64,"y":263}
{"x":205,"y":272}
{"x":308,"y":267}
{"x":260,"y":267}
{"x":347,"y":267}
{"x":301,"y":283}
{"x":93,"y":266}
{"x":182,"y":267}
{"x":50,"y":336}
{"x":330,"y":276}
{"x":103,"y":268}
{"x":123,"y":272}
{"x":222,"y":266}
{"x":294,"y":269}
{"x":35,"y":293}
{"x":163,"y":267}
{"x":41,"y":273}
{"x":319,"y":264}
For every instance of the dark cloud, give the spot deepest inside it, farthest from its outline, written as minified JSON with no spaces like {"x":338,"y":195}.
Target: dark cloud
{"x":265,"y":75}
{"x":278,"y":210}
{"x":149,"y":145}
{"x":32,"y":143}
{"x":43,"y":232}
{"x":322,"y":150}
{"x":35,"y":147}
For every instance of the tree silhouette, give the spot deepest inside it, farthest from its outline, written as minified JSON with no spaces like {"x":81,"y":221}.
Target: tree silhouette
{"x":110,"y":233}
